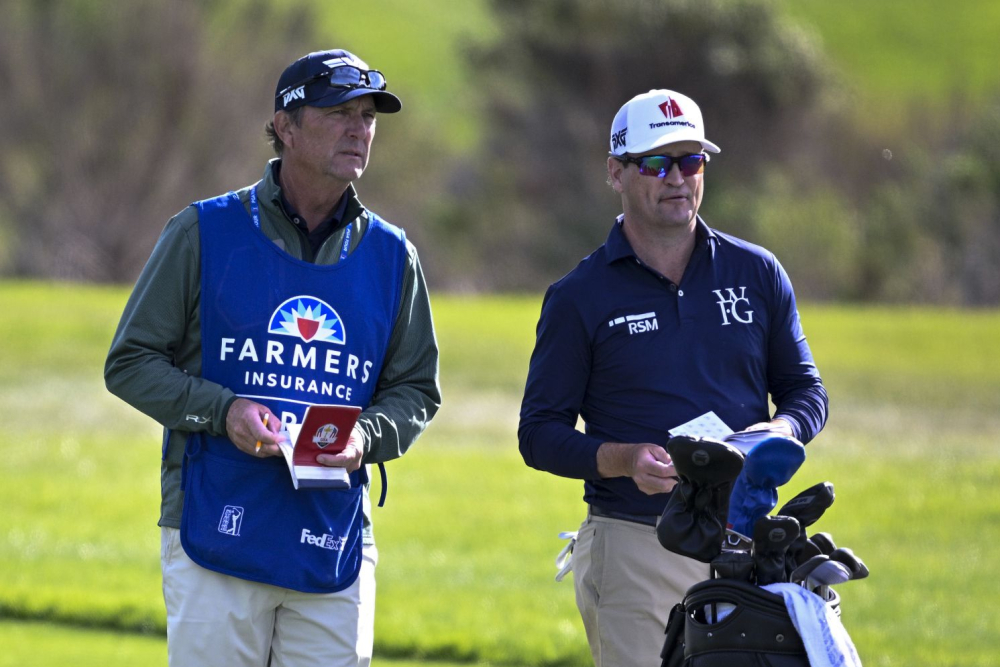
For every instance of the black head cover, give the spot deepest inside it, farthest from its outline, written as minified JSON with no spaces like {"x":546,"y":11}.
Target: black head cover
{"x":693,"y":523}
{"x":772,"y":535}
{"x":808,"y":506}
{"x":704,"y":460}
{"x":824,"y":542}
{"x":857,"y":566}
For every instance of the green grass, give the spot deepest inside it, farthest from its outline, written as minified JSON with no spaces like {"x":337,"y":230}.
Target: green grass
{"x":896,"y":50}
{"x":468,"y":534}
{"x":44,"y":645}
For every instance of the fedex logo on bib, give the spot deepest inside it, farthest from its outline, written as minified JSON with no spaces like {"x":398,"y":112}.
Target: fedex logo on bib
{"x":309,"y":319}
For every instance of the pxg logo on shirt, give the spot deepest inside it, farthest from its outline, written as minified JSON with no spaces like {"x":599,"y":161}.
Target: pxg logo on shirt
{"x":308,"y":319}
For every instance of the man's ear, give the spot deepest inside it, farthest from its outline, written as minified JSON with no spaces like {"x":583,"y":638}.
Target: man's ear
{"x":615,"y":168}
{"x":283,"y":127}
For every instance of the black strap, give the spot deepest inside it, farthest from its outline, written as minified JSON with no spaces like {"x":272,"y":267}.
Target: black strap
{"x":673,"y":646}
{"x":385,"y":484}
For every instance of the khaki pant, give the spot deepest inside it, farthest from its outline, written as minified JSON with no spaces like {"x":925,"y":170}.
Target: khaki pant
{"x":214,"y":619}
{"x":626,"y":583}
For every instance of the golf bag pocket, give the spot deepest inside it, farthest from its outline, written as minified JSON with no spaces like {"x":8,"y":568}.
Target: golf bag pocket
{"x":242,"y":517}
{"x":732,"y":623}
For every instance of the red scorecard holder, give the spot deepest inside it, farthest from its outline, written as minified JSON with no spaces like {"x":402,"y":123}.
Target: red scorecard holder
{"x":325,"y":429}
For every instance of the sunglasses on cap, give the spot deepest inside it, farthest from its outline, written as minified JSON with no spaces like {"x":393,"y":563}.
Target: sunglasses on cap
{"x":346,"y":76}
{"x":660,"y":165}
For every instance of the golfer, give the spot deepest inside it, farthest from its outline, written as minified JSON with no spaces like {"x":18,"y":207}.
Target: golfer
{"x":254,"y":305}
{"x":667,"y":321}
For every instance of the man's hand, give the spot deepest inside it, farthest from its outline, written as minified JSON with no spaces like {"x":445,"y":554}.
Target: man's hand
{"x":647,"y":464}
{"x":350,"y":457}
{"x":245,"y":426}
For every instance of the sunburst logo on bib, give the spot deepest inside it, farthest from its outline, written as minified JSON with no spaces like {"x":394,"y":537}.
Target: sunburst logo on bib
{"x":309,"y":319}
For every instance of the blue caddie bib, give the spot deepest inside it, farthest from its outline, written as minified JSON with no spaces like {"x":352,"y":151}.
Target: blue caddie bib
{"x":287,"y":334}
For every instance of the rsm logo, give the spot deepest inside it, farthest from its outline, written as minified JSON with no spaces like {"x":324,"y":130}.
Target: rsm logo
{"x":637,"y":324}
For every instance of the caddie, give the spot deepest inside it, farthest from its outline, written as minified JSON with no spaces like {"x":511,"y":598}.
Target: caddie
{"x":254,"y":305}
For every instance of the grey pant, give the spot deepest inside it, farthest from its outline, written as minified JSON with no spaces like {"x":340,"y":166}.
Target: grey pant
{"x":215,"y":619}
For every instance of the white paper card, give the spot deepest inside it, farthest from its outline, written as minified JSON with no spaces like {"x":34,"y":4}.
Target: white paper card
{"x":706,"y":426}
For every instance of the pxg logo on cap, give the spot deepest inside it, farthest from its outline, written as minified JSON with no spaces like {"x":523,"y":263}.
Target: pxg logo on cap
{"x":657,"y":118}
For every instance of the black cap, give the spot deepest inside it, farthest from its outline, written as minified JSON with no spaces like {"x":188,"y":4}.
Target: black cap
{"x":302,"y":84}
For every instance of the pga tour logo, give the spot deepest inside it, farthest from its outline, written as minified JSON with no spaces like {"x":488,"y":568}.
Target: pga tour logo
{"x":637,"y":323}
{"x":308,"y":319}
{"x":232,"y":519}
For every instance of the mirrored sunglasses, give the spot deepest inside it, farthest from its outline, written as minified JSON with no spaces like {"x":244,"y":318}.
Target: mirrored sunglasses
{"x":346,"y":76}
{"x":660,"y":165}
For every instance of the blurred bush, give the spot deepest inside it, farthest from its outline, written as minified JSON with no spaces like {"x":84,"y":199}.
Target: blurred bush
{"x":115,"y":115}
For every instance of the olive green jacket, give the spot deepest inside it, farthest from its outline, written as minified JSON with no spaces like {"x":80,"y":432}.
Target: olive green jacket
{"x":155,"y":359}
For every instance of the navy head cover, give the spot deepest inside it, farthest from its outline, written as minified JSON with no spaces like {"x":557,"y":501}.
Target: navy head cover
{"x":770,"y":464}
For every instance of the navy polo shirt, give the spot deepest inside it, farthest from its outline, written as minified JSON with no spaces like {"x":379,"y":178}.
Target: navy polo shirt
{"x":635,"y":355}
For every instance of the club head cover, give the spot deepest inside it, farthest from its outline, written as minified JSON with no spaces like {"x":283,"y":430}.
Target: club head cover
{"x":768,"y":465}
{"x":736,"y":542}
{"x":771,"y":538}
{"x":808,"y":506}
{"x":736,"y":565}
{"x":857,"y":567}
{"x":828,"y":573}
{"x":773,"y":462}
{"x":809,"y":550}
{"x":688,"y":526}
{"x":824,"y":542}
{"x":802,"y":572}
{"x":693,"y":523}
{"x":704,"y":461}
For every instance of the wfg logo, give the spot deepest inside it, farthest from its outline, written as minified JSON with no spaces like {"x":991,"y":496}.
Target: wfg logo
{"x":728,"y":306}
{"x":309,"y":319}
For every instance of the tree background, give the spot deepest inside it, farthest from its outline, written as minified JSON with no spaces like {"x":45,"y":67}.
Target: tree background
{"x":876,"y":180}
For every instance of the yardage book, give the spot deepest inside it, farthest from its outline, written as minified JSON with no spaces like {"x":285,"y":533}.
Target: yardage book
{"x":325,"y":429}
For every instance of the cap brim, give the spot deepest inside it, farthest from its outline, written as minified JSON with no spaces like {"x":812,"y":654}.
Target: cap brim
{"x":385,"y":102}
{"x":673,"y":138}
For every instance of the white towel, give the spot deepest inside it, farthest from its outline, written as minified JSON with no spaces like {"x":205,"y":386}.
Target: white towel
{"x":827,"y":642}
{"x":564,"y":561}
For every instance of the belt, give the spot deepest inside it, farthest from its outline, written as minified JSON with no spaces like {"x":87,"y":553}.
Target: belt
{"x":644,"y":519}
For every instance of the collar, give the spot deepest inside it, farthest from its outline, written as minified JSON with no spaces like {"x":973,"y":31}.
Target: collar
{"x":349,"y":207}
{"x":617,"y":246}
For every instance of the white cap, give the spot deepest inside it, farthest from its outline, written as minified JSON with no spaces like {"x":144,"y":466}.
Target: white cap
{"x":655,"y":119}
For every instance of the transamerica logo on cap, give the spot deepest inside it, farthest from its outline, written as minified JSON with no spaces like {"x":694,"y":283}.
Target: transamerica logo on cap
{"x":309,"y":319}
{"x":671,"y":109}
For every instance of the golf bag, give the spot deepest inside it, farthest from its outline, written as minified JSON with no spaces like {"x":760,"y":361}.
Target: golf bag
{"x":729,"y":623}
